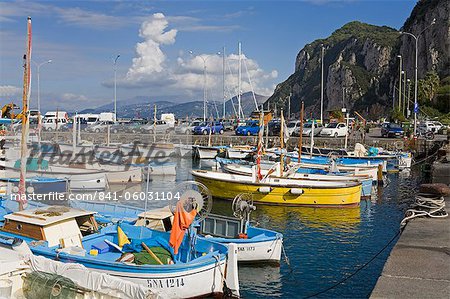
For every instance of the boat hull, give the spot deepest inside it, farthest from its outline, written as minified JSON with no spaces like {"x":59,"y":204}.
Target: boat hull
{"x":349,"y":196}
{"x":206,"y":152}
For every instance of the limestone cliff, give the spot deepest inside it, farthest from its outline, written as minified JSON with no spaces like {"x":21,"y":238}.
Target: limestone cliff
{"x":360,"y":64}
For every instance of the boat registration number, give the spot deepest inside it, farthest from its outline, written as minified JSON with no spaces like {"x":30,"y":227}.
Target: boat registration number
{"x":166,"y":283}
{"x":252,"y":248}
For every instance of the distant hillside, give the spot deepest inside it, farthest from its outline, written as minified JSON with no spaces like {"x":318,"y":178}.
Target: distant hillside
{"x":142,"y":107}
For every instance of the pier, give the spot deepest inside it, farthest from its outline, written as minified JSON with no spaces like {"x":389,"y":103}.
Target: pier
{"x":419,"y":264}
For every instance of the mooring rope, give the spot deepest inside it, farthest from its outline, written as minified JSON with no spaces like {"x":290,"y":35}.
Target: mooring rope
{"x":357,"y":270}
{"x":426,"y":205}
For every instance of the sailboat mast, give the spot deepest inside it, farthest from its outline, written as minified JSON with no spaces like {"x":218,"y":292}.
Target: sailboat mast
{"x":300,"y":141}
{"x":25,"y":100}
{"x":239,"y":80}
{"x":282,"y":144}
{"x":223,"y":82}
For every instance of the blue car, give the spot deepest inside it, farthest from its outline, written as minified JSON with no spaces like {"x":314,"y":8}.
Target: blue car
{"x":391,"y":130}
{"x":250,"y":128}
{"x":205,"y":127}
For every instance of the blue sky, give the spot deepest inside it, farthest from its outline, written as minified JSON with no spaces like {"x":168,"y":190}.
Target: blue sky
{"x":154,"y":39}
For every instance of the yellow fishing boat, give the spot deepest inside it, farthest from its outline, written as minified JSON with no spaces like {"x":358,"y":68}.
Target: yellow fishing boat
{"x":282,"y":191}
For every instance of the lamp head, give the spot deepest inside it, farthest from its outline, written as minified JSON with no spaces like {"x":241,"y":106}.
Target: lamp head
{"x":433,"y":22}
{"x":191,"y":52}
{"x":49,"y":61}
{"x":399,"y":56}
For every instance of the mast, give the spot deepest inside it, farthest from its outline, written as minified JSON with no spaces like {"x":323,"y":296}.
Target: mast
{"x":25,"y":100}
{"x":312,"y":138}
{"x":301,"y":133}
{"x":239,"y":80}
{"x":154,"y":125}
{"x":282,"y":143}
{"x":223,"y":81}
{"x":260,"y":145}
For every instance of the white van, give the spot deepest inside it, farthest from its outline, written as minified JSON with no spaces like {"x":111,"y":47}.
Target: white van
{"x":169,"y":118}
{"x":88,"y":118}
{"x":54,"y":120}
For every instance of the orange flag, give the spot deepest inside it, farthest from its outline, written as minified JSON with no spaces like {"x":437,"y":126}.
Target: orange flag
{"x":181,"y":221}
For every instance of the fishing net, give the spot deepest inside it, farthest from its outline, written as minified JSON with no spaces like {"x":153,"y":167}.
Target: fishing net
{"x":40,"y":285}
{"x":144,"y":258}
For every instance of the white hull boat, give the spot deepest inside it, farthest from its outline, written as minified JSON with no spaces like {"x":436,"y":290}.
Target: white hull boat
{"x":204,"y":152}
{"x":65,"y":148}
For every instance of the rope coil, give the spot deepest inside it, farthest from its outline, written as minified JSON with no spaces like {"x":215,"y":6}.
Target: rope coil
{"x":429,"y":205}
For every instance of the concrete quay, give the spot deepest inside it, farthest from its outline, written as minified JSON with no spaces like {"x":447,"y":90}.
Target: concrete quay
{"x":419,"y":264}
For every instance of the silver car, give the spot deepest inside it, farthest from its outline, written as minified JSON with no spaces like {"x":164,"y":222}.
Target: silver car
{"x":161,"y":127}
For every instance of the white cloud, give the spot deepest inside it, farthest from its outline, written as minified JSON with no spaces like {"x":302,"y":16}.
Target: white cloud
{"x":150,"y":68}
{"x":150,"y":58}
{"x":73,"y":97}
{"x":9,"y":91}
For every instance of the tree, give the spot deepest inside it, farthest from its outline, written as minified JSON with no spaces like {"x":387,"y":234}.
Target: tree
{"x":428,"y":87}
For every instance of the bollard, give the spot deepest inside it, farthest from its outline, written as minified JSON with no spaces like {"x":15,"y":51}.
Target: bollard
{"x":380,"y":174}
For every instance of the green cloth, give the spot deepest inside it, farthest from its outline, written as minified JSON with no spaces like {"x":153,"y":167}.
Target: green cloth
{"x":144,"y":258}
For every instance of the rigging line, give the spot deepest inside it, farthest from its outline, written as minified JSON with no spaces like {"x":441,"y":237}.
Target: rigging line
{"x":231,"y":92}
{"x":357,"y":270}
{"x":251,"y":85}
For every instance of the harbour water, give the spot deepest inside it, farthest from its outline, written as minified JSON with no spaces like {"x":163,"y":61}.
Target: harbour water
{"x":324,"y":246}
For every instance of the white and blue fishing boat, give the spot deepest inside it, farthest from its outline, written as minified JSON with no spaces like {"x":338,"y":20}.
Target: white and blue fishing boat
{"x":254,"y":244}
{"x":64,"y":233}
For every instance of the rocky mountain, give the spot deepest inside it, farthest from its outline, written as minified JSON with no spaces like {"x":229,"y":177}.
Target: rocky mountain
{"x":361,"y":64}
{"x":143,"y":107}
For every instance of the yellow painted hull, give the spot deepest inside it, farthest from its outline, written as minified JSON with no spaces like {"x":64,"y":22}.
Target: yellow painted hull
{"x":279,"y":195}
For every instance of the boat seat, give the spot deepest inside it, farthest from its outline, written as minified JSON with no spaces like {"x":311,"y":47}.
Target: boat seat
{"x":71,"y":241}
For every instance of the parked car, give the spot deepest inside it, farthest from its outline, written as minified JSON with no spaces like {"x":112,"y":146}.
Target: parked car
{"x":53,"y":123}
{"x":391,"y":130}
{"x":307,"y":129}
{"x":100,"y":126}
{"x":250,"y":128}
{"x":161,"y":127}
{"x":274,"y":127}
{"x":334,"y":130}
{"x":228,"y":125}
{"x":133,"y":126}
{"x":431,"y":126}
{"x":81,"y":126}
{"x":292,"y":126}
{"x":206,"y":127}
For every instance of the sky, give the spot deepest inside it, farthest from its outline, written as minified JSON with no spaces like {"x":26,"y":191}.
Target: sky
{"x":164,"y":46}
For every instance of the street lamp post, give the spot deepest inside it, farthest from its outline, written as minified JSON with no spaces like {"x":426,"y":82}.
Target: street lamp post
{"x":400,"y":93}
{"x":399,"y":81}
{"x":408,"y":98}
{"x":115,"y":87}
{"x":38,"y":82}
{"x":39,"y":98}
{"x":416,"y":39}
{"x":404,"y":94}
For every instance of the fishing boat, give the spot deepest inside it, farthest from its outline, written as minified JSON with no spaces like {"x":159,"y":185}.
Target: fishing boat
{"x":197,"y":270}
{"x":205,"y":152}
{"x":38,"y":185}
{"x":255,"y":244}
{"x":281,"y":191}
{"x":79,"y":179}
{"x":24,"y":275}
{"x":239,"y":152}
{"x":79,"y":149}
{"x":156,"y":150}
{"x":183,"y":150}
{"x":366,"y":181}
